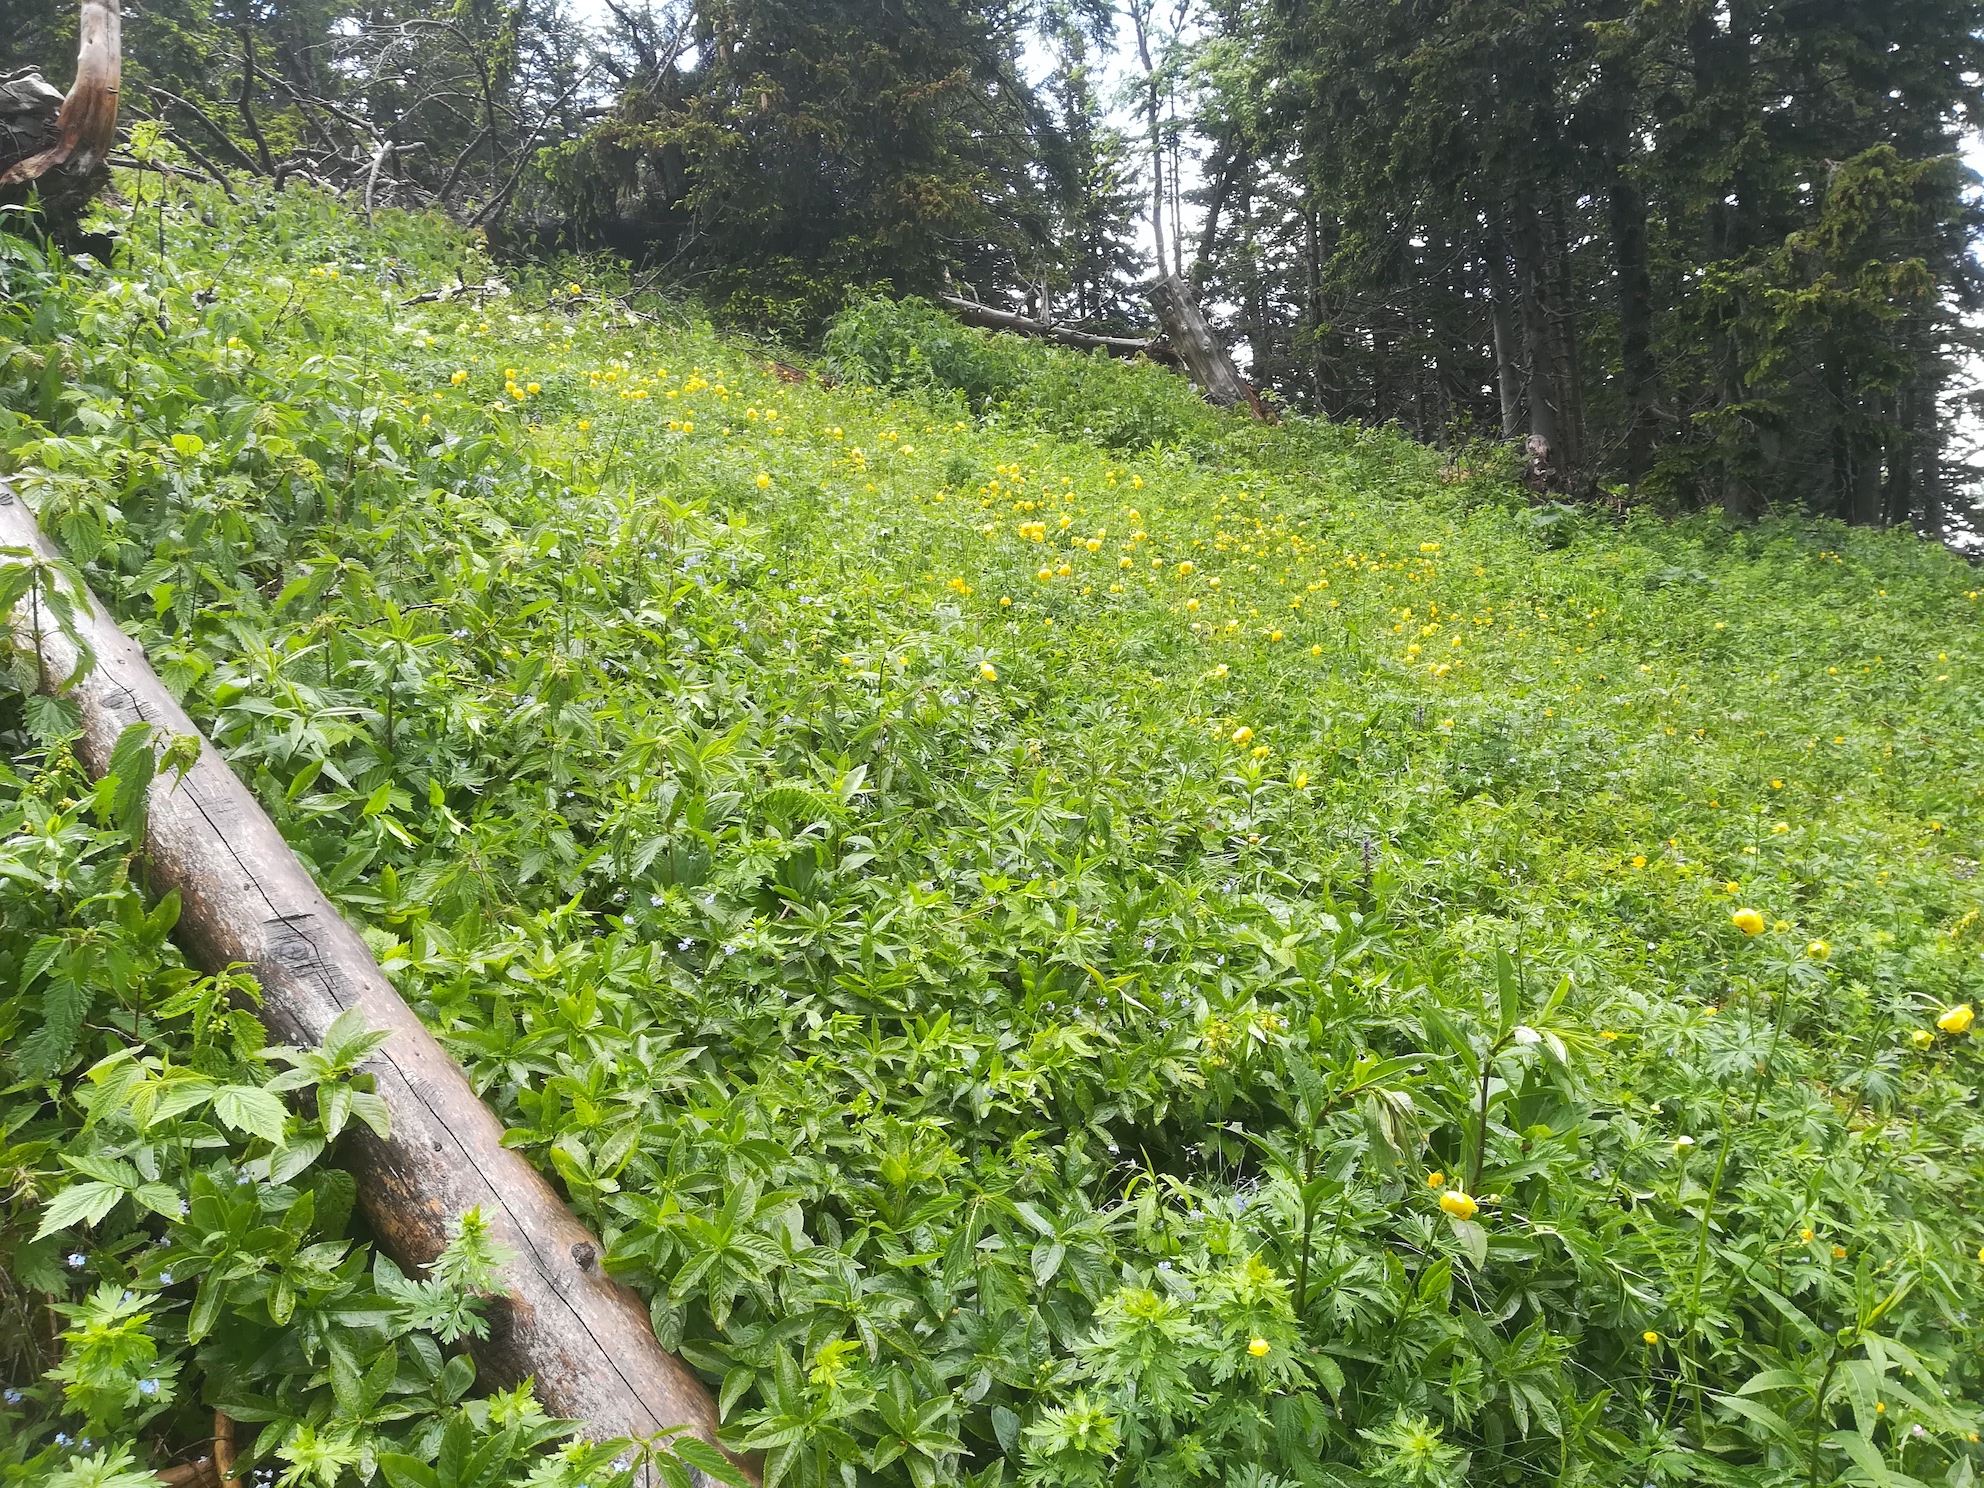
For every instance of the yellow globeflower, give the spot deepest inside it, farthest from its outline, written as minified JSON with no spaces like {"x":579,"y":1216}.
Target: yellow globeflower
{"x":1748,"y":921}
{"x":1649,"y":1338}
{"x":764,"y":481}
{"x":1958,"y":1019}
{"x":1818,"y":950}
{"x":1921,"y":1038}
{"x":1187,"y":568}
{"x":1242,"y":734}
{"x":1258,"y":1348}
{"x":986,"y":670}
{"x":1458,"y":1204}
{"x":1435,"y":1179}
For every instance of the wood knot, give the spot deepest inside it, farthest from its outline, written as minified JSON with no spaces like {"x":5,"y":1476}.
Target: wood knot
{"x":584,"y":1255}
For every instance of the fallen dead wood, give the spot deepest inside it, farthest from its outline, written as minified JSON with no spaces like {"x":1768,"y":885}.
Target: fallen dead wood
{"x":216,"y":1470}
{"x":988,"y":318}
{"x":491,"y":289}
{"x":65,"y":157}
{"x":246,"y":900}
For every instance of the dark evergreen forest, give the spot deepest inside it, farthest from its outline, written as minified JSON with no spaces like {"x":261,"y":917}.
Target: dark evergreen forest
{"x":1706,"y":251}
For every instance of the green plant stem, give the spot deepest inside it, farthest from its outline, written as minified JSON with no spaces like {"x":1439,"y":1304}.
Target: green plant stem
{"x":1708,"y":1210}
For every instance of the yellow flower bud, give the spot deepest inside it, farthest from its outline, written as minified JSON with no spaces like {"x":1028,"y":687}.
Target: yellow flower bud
{"x":1458,"y":1204}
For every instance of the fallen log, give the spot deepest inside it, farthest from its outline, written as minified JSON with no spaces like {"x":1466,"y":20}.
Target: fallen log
{"x":988,"y":318}
{"x":246,"y":900}
{"x":1185,"y":327}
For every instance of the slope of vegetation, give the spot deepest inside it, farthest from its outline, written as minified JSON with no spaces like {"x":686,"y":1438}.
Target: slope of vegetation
{"x":1057,"y":935}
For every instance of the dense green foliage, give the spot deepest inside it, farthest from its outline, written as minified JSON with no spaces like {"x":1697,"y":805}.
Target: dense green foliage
{"x":1719,"y":247}
{"x":1218,"y":956}
{"x":791,"y":149}
{"x":1718,"y":252}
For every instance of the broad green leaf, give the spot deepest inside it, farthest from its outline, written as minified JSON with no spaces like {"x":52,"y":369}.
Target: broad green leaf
{"x":80,"y":1203}
{"x":249,"y":1108}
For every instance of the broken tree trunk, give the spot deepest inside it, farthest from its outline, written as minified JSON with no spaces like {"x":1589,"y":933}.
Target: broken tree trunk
{"x":246,"y":900}
{"x":66,"y":156}
{"x":1186,"y":329}
{"x":988,"y":318}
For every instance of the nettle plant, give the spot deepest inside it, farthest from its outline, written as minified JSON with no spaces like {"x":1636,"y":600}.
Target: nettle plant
{"x":167,"y":1174}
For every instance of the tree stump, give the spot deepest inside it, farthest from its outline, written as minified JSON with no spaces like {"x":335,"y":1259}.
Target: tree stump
{"x":58,"y":146}
{"x":1186,"y":329}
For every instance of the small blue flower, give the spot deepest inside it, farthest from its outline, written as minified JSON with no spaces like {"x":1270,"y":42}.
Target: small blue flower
{"x":165,"y":1278}
{"x":61,"y":1438}
{"x":77,"y":1260}
{"x":13,"y":1397}
{"x":148,"y":1387}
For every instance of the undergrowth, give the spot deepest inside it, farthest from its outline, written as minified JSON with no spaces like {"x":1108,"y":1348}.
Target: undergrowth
{"x":1055,"y":933}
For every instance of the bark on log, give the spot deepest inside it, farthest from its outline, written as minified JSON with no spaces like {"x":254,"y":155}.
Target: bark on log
{"x":988,"y":318}
{"x":1186,"y":329}
{"x":245,"y":899}
{"x":67,"y":156}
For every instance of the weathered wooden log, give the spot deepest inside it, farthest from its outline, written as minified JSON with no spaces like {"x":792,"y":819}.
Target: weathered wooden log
{"x":246,"y":900}
{"x":988,"y":318}
{"x":66,"y":157}
{"x":1186,"y":329}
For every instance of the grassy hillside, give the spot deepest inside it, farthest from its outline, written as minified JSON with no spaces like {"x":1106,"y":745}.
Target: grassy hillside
{"x":1058,"y":935}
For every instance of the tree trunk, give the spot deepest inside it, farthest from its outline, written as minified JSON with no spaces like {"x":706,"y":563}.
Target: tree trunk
{"x":1560,"y":311}
{"x":1312,"y":253}
{"x":1925,"y":454}
{"x":246,"y":900}
{"x":1638,"y":374}
{"x":1527,"y":249}
{"x":1508,"y":373}
{"x":67,"y":158}
{"x":1232,"y":166}
{"x":1204,"y":357}
{"x":1140,"y":21}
